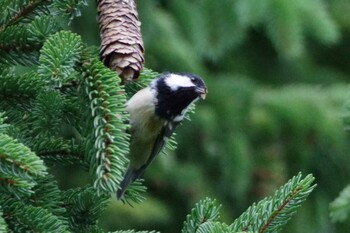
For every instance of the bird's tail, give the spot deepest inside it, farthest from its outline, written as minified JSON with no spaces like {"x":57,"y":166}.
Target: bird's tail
{"x":125,"y":183}
{"x":130,"y":176}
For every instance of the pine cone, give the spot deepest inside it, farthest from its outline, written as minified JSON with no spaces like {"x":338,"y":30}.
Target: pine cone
{"x":121,"y":41}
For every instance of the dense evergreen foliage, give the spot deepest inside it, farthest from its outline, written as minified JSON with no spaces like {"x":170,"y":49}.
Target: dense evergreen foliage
{"x":275,"y":70}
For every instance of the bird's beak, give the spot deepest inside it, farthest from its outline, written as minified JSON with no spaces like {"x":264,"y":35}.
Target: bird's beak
{"x":202,"y":91}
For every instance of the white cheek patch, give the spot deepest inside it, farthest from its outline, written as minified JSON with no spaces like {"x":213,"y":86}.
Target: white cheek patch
{"x":174,"y":81}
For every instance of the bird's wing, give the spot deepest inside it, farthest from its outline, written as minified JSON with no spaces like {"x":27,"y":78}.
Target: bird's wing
{"x":134,"y":174}
{"x":165,"y":133}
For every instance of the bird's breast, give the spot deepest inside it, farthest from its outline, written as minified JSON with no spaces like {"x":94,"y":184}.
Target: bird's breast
{"x":145,"y":127}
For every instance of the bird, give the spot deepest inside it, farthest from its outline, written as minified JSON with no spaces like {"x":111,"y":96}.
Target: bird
{"x":155,"y":112}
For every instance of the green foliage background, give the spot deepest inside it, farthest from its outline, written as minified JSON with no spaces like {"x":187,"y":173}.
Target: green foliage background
{"x":277,"y":72}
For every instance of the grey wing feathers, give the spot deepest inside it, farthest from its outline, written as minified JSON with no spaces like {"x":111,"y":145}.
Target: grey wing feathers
{"x":132,"y":174}
{"x":162,"y":138}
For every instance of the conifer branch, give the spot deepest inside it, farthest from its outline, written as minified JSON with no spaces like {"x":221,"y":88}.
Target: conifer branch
{"x":16,"y":41}
{"x":340,"y":207}
{"x":19,"y":88}
{"x":109,"y":140}
{"x":60,"y":153}
{"x":47,"y":195}
{"x":45,"y":106}
{"x":270,"y":214}
{"x":19,"y":57}
{"x":84,"y":207}
{"x":204,"y":211}
{"x":19,"y":166}
{"x":23,"y":217}
{"x":59,"y":56}
{"x":68,"y":8}
{"x":3,"y":126}
{"x":21,"y":13}
{"x":3,"y":226}
{"x":204,"y":218}
{"x":13,"y":47}
{"x":133,"y":231}
{"x":213,"y":227}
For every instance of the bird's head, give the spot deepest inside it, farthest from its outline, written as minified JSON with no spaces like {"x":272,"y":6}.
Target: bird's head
{"x":175,"y":92}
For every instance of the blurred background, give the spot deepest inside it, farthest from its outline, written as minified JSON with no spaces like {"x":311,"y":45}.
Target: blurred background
{"x":277,"y":73}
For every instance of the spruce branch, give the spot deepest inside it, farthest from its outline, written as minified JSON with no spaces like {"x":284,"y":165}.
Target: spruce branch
{"x":270,"y":214}
{"x":46,"y":116}
{"x":285,"y":28}
{"x":68,"y":8}
{"x":19,"y":88}
{"x":84,"y":207}
{"x":23,"y":217}
{"x":89,"y":229}
{"x":23,"y":56}
{"x":121,"y":40}
{"x":340,"y":207}
{"x":3,"y":126}
{"x":55,"y":139}
{"x":204,"y":211}
{"x":146,"y":76}
{"x":16,"y":10}
{"x":134,"y":192}
{"x":41,"y":28}
{"x":213,"y":227}
{"x":63,"y":156}
{"x":20,"y":43}
{"x":47,"y":195}
{"x":3,"y":226}
{"x":16,"y":37}
{"x":204,"y":218}
{"x":59,"y":56}
{"x":108,"y":145}
{"x":19,"y":167}
{"x":16,"y":46}
{"x":61,"y":150}
{"x":29,"y":36}
{"x":133,"y":231}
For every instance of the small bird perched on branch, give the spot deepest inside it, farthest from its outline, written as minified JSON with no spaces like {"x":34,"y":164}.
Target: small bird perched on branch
{"x":155,"y":111}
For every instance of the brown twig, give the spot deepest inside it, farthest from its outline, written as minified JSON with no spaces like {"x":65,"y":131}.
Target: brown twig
{"x":22,"y":13}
